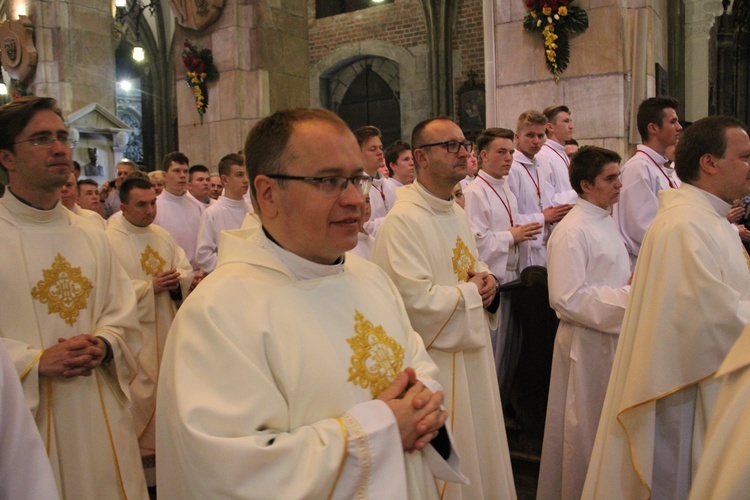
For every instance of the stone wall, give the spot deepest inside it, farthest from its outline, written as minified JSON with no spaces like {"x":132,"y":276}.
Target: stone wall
{"x":611,"y":68}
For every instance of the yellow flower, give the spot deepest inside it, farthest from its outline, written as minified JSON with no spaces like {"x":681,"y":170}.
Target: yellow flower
{"x":533,"y":14}
{"x":546,"y":11}
{"x":551,"y":55}
{"x":563,"y":10}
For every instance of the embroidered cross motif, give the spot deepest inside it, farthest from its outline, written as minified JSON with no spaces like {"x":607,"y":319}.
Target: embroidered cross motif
{"x":64,"y":289}
{"x":377,"y":359}
{"x":151,"y":262}
{"x":463,"y":261}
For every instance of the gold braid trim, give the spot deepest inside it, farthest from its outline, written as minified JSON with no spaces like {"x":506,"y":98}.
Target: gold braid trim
{"x":458,"y":301}
{"x":627,"y":435}
{"x":345,"y":435}
{"x":109,"y":435}
{"x":31,"y":365}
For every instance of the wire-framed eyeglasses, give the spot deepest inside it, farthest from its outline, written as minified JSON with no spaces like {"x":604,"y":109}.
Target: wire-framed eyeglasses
{"x":47,"y":140}
{"x":451,"y":146}
{"x":331,"y":185}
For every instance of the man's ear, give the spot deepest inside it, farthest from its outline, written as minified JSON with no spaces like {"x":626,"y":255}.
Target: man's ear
{"x":707,"y":164}
{"x":420,"y":158}
{"x":653,"y":129}
{"x":266,"y":195}
{"x":7,"y":158}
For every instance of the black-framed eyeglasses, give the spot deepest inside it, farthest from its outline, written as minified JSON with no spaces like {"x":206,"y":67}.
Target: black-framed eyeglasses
{"x":46,"y":141}
{"x":451,"y":146}
{"x":331,"y":185}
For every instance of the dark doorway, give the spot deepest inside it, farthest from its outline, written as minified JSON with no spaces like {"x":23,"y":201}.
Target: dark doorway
{"x":370,"y":101}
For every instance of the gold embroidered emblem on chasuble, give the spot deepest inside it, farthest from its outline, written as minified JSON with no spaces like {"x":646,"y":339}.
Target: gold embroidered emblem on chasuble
{"x":151,"y":262}
{"x":64,"y":289}
{"x":463,"y":261}
{"x":377,"y":359}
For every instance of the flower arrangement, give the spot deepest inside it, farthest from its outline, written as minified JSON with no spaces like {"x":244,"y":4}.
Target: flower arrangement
{"x":199,"y":63}
{"x":557,"y":20}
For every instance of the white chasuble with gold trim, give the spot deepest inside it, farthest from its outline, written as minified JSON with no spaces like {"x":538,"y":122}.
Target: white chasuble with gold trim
{"x":62,"y":281}
{"x":145,"y":252}
{"x":425,"y":245}
{"x":268,"y":378}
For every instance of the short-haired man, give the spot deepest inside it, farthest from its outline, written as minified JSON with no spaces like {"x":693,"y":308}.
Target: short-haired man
{"x":69,"y":199}
{"x":501,"y":240}
{"x":227,"y":213}
{"x":199,"y":184}
{"x":689,"y":302}
{"x":112,"y":201}
{"x":646,"y":173}
{"x":472,"y":167}
{"x":88,"y":196}
{"x":382,"y":192}
{"x":400,"y":161}
{"x":159,"y":273}
{"x":292,"y":370}
{"x":552,"y":156}
{"x":589,"y":274}
{"x":177,"y":211}
{"x":571,"y":148}
{"x":67,"y":314}
{"x":529,"y":182}
{"x":216,"y":186}
{"x":426,"y":246}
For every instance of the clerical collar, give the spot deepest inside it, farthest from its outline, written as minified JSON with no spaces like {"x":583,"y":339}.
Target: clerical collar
{"x":28,"y":203}
{"x":435,"y":202}
{"x":721,"y":206}
{"x":302,"y":268}
{"x":589,"y":207}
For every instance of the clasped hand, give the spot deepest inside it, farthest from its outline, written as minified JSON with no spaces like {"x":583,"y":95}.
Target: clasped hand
{"x":416,"y":408}
{"x":73,"y":357}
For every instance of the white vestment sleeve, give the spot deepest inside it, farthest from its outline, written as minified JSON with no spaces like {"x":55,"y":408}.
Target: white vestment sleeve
{"x":576,"y":301}
{"x":208,"y":243}
{"x":493,"y":245}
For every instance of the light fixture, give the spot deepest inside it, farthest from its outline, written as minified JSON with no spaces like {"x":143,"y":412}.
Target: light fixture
{"x":3,"y":89}
{"x":126,"y":85}
{"x":138,"y":53}
{"x":132,"y":15}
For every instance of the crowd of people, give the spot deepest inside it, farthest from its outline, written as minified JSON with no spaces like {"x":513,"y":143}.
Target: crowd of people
{"x":321,"y":317}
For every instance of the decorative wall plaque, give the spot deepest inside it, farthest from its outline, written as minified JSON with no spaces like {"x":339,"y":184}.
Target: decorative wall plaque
{"x":196,"y":14}
{"x":19,"y":55}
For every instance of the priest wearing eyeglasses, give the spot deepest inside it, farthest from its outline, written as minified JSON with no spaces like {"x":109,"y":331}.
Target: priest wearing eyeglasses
{"x":293,"y":370}
{"x":426,"y":246}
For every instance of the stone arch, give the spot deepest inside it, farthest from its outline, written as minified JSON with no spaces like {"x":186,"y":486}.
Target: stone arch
{"x":398,"y":66}
{"x":341,"y":79}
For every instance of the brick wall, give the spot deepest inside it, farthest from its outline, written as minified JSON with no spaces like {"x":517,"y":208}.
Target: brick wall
{"x":400,"y":23}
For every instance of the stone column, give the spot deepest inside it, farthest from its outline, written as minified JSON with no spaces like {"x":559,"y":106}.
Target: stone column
{"x":260,"y":48}
{"x":700,"y":16}
{"x":76,"y":52}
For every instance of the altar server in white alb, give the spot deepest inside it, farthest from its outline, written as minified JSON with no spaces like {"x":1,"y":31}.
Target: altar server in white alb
{"x":160,"y":275}
{"x":502,"y":241}
{"x":589,"y":274}
{"x":227,"y":213}
{"x":67,"y":313}
{"x":293,"y":371}
{"x":426,"y":246}
{"x":382,"y":191}
{"x":553,"y":158}
{"x":179,"y":212}
{"x":689,"y":302}
{"x":530,"y":183}
{"x":69,"y":199}
{"x":647,"y":172}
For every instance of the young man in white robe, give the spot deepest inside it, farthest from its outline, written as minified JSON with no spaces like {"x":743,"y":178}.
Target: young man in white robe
{"x":553,"y":157}
{"x":646,"y":172}
{"x":177,"y":211}
{"x":161,"y":276}
{"x":293,"y":371}
{"x":426,"y":246}
{"x":69,"y":199}
{"x":501,"y":241}
{"x":112,"y":201}
{"x":530,"y":184}
{"x":689,"y":302}
{"x":400,"y":161}
{"x":67,"y":314}
{"x":589,"y":274}
{"x":382,"y":191}
{"x":227,"y":213}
